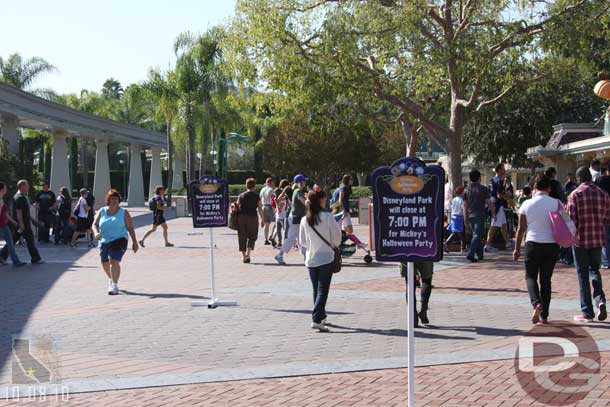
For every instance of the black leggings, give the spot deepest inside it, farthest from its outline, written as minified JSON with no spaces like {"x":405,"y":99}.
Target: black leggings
{"x":426,"y":291}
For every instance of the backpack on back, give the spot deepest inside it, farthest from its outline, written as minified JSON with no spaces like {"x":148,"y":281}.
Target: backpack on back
{"x":335,"y":197}
{"x":152,"y":203}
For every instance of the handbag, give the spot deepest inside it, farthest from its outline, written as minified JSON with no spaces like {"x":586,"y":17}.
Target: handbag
{"x":233,"y":214}
{"x":338,"y":261}
{"x":564,"y":230}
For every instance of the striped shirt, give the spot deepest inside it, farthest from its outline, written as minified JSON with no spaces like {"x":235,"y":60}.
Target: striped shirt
{"x":589,"y":208}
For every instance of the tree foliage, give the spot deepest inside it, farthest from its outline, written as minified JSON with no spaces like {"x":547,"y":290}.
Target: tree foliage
{"x":414,"y":56}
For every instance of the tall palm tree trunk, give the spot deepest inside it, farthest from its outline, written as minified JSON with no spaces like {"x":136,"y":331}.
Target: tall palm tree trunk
{"x":190,"y":145}
{"x":170,"y":162}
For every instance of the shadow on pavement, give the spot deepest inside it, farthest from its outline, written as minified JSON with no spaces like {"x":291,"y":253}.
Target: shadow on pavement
{"x":495,"y":290}
{"x":419,"y":333}
{"x":308,"y":311}
{"x":484,"y":330}
{"x":153,"y":296}
{"x":22,"y":290}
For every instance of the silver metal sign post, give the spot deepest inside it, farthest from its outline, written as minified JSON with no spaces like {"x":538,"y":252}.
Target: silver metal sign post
{"x":411,"y":328}
{"x":214,"y":302}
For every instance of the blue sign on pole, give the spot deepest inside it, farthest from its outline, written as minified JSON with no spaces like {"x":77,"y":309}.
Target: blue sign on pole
{"x":209,"y":199}
{"x":408,"y":211}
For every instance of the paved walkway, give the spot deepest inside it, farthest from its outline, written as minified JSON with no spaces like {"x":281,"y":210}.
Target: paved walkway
{"x":150,"y":336}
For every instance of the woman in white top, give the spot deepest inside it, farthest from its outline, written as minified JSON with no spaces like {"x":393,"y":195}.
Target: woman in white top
{"x":541,"y":249}
{"x":319,"y":255}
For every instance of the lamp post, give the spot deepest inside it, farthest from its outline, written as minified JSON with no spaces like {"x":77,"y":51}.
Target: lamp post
{"x":224,"y":142}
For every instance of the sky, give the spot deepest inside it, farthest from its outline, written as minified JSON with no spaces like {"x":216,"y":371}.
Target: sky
{"x":90,"y":41}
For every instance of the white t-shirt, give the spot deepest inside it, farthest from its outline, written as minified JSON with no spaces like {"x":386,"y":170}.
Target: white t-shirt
{"x":457,"y":206}
{"x":280,"y":209}
{"x":536,"y":210}
{"x":266,"y":194}
{"x":82,"y":203}
{"x":318,"y":253}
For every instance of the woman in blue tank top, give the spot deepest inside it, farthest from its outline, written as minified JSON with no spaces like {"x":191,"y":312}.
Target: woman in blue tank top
{"x":112,"y":227}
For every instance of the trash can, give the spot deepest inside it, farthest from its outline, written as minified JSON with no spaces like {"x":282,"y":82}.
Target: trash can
{"x":182,"y":209}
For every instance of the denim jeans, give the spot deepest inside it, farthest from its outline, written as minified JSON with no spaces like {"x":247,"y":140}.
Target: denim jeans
{"x":28,"y":235}
{"x":587,"y":267}
{"x":476,"y":247}
{"x":7,"y":234}
{"x":606,"y":249}
{"x":540,"y":260}
{"x":320,"y":280}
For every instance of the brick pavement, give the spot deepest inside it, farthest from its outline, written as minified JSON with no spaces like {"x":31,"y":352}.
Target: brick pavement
{"x":484,"y":384}
{"x":150,"y":335}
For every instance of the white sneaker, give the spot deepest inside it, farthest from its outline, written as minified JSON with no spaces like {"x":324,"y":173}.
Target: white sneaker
{"x":115,"y":289}
{"x":280,"y":259}
{"x":110,"y":288}
{"x":490,"y":249}
{"x":325,"y":322}
{"x":320,"y":327}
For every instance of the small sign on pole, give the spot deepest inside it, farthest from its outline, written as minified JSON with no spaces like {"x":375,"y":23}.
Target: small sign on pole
{"x":408,"y":226}
{"x":209,"y":199}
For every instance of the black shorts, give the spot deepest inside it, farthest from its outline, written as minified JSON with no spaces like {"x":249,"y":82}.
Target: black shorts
{"x":158,"y":219}
{"x":82,"y":225}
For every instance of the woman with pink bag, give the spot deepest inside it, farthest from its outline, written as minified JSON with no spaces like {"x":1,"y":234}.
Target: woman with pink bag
{"x":541,"y":248}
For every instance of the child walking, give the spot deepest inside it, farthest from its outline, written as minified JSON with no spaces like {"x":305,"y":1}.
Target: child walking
{"x":456,"y":227}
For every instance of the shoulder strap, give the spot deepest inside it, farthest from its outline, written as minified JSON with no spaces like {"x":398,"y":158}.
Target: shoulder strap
{"x":322,"y":237}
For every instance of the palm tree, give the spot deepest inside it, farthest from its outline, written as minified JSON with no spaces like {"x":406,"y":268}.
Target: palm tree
{"x":187,"y":82}
{"x":22,"y":73}
{"x":163,"y":88}
{"x":112,"y":89}
{"x":202,"y":57}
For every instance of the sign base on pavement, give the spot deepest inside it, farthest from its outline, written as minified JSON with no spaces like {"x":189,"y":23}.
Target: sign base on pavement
{"x":214,"y":303}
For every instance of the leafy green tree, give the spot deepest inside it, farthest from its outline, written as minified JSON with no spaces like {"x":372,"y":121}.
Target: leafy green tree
{"x":506,"y":130}
{"x":412,"y":55}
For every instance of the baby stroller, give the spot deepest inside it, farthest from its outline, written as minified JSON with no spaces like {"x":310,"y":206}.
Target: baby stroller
{"x":350,"y":243}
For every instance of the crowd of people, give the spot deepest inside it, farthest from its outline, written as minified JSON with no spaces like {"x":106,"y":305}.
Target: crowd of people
{"x":295,"y":217}
{"x":57,"y":216}
{"x":585,"y":198}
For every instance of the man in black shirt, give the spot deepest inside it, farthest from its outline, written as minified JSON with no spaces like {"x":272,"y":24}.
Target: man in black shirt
{"x":604,"y":183}
{"x":45,"y":205}
{"x":22,"y":215}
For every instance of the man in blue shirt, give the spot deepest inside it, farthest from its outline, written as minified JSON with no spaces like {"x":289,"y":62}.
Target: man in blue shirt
{"x":499,"y":196}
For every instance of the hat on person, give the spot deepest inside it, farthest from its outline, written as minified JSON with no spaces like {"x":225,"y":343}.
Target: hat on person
{"x":300,"y":178}
{"x":268,"y":180}
{"x":84,"y":191}
{"x":459,"y":190}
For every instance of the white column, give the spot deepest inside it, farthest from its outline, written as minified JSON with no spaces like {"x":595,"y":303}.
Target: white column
{"x":101,"y":177}
{"x":60,"y":174}
{"x":156,"y":178}
{"x":179,"y":166}
{"x":10,"y":134}
{"x":135,"y":190}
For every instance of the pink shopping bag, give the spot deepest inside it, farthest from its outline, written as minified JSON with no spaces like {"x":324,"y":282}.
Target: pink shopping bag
{"x":564,"y":229}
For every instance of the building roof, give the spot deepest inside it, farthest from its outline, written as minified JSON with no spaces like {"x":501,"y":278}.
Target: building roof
{"x":37,"y":113}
